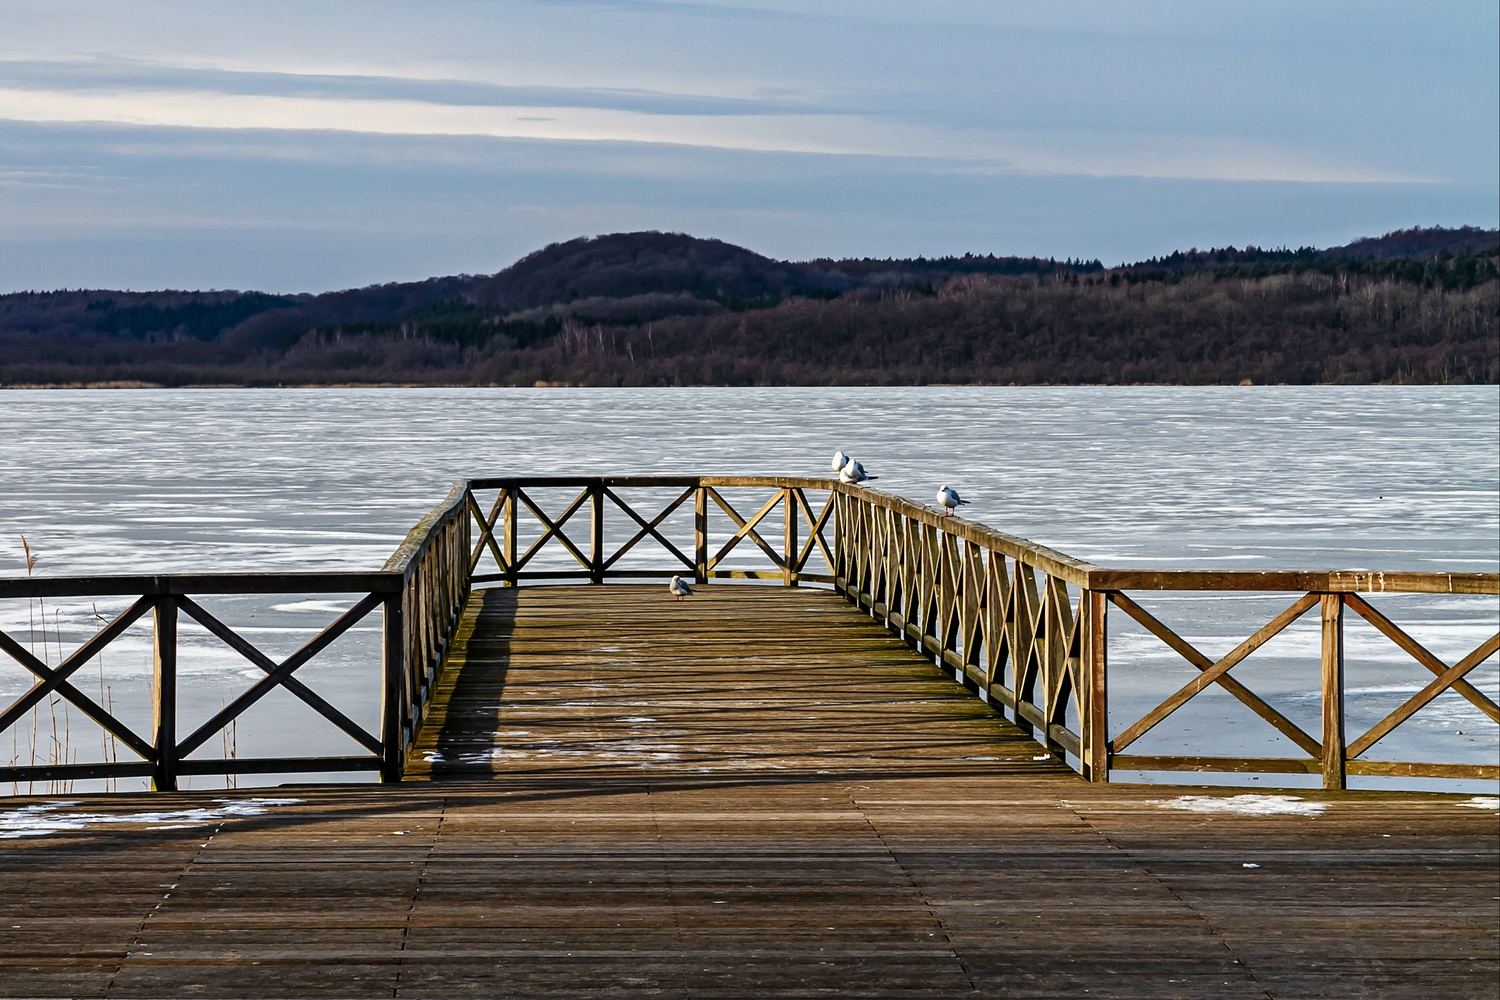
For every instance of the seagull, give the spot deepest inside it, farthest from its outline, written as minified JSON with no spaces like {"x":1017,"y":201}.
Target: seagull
{"x":839,"y":461}
{"x":679,"y":588}
{"x":949,"y":498}
{"x":854,"y":472}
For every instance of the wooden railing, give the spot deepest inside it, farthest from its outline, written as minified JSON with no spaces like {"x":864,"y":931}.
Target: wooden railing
{"x":434,"y":569}
{"x":160,"y":753}
{"x":420,"y":592}
{"x":1024,"y":626}
{"x":983,"y":604}
{"x":601,"y":553}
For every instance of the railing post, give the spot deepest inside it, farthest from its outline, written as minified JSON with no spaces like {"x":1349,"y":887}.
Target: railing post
{"x":1095,"y":606}
{"x":393,"y":669}
{"x":596,"y":533}
{"x":508,"y":545}
{"x":700,"y":534}
{"x":789,"y":537}
{"x":1333,"y":692}
{"x":164,"y":695}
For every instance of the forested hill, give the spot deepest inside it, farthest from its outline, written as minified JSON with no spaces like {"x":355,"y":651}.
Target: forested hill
{"x":654,"y":308}
{"x":615,"y":278}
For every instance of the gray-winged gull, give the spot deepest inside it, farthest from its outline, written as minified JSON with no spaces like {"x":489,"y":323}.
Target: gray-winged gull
{"x":854,"y":472}
{"x":949,"y":498}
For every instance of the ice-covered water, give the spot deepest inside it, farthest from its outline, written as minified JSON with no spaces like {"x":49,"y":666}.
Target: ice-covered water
{"x":1255,"y":477}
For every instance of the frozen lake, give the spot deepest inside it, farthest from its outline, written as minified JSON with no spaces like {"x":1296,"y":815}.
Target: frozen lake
{"x":1393,"y":478}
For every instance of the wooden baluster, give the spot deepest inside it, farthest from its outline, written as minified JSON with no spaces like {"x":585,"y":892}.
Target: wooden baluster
{"x":1050,"y":661}
{"x":861,"y":568}
{"x":1022,"y":639}
{"x":164,"y":695}
{"x":996,"y":610}
{"x":392,"y":655}
{"x":850,"y":540}
{"x":700,"y":534}
{"x":837,"y":570}
{"x":508,"y":516}
{"x":1094,"y":605}
{"x":424,"y":624}
{"x":971,"y":600}
{"x":411,"y":663}
{"x":911,"y":579}
{"x":464,"y":545}
{"x":1333,"y":691}
{"x":950,"y":582}
{"x":1067,"y":680}
{"x":596,"y":533}
{"x":789,"y":537}
{"x":928,"y":579}
{"x":901,"y":591}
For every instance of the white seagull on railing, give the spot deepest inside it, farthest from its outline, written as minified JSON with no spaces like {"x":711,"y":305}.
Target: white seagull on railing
{"x":949,"y":498}
{"x":853,"y":472}
{"x":679,"y":588}
{"x":839,"y":461}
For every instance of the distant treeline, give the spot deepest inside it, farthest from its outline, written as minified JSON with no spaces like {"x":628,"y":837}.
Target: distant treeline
{"x":1467,"y":269}
{"x":665,"y":309}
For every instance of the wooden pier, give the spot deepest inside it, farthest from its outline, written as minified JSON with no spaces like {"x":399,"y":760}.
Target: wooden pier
{"x":592,"y":789}
{"x":754,"y":792}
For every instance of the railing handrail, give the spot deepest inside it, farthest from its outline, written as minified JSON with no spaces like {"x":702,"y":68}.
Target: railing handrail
{"x":1076,"y":571}
{"x":404,"y":558}
{"x":679,"y":481}
{"x":1092,"y":577}
{"x":177,"y":584}
{"x":1332,"y":581}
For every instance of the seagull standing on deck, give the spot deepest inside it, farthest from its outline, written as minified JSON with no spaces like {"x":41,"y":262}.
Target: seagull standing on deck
{"x":949,"y":498}
{"x":679,"y":588}
{"x":839,"y":461}
{"x":853,"y":473}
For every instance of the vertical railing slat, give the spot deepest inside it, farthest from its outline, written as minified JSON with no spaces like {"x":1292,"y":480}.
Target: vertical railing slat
{"x":1333,"y":691}
{"x":596,"y":532}
{"x":789,"y":515}
{"x":393,"y":656}
{"x":1095,"y":724}
{"x":164,"y":694}
{"x":700,"y":534}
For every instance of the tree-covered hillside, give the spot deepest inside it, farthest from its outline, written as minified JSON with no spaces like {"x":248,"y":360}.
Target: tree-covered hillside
{"x":661,"y":309}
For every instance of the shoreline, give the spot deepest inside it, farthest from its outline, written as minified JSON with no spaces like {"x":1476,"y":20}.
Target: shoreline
{"x":128,"y":384}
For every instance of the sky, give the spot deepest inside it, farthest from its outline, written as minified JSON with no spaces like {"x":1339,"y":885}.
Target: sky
{"x":322,"y":144}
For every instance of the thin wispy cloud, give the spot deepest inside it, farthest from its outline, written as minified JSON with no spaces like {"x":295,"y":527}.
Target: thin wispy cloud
{"x":804,"y":131}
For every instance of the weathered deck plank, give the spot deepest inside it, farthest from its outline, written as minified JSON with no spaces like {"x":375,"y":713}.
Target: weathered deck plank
{"x":811,"y":809}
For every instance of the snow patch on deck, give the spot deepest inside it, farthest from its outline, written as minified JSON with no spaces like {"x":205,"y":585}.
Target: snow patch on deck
{"x":45,"y":819}
{"x":1245,"y":805}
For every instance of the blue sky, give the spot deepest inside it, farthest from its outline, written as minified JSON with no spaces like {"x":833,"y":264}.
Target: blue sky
{"x":314,"y":145}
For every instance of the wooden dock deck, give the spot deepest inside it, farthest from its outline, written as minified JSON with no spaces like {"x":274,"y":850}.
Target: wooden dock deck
{"x":759,"y":792}
{"x":734,"y":684}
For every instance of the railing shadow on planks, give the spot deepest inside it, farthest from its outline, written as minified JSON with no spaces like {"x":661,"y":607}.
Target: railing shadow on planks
{"x":1023,"y":626}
